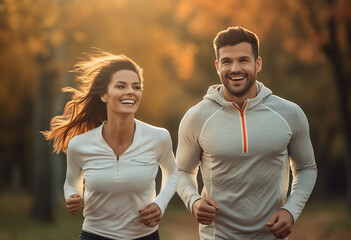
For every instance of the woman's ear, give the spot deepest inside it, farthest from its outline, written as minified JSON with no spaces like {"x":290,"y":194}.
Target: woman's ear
{"x":103,"y":98}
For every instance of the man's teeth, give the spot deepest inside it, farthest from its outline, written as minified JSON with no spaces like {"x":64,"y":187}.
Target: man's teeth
{"x":128,"y":102}
{"x":237,"y":78}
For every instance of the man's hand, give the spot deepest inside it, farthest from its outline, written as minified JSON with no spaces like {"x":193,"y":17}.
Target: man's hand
{"x":151,"y":215}
{"x":204,"y":210}
{"x":74,"y":204}
{"x":281,"y":223}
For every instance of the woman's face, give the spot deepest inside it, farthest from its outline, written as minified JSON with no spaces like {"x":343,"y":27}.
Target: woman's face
{"x":124,"y":93}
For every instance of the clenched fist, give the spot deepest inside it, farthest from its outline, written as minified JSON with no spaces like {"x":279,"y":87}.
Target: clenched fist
{"x":204,"y":210}
{"x":74,"y":204}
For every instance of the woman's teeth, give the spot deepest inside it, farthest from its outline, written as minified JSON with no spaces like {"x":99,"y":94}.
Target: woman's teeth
{"x":128,"y":102}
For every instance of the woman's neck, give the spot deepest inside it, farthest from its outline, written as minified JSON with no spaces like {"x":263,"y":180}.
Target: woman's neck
{"x":118,"y":132}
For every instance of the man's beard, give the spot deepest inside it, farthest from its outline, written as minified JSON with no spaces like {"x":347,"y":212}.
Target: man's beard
{"x":248,"y":85}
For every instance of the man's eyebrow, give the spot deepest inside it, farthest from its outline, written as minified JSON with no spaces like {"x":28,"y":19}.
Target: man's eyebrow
{"x":224,"y":59}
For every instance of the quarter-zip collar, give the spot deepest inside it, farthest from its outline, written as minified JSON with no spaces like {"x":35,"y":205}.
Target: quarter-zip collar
{"x":243,"y":125}
{"x":215,"y":93}
{"x":133,"y":146}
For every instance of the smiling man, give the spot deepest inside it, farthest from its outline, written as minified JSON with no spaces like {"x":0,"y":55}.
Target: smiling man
{"x":245,"y":140}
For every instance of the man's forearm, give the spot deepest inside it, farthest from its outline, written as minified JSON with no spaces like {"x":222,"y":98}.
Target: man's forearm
{"x":188,"y":188}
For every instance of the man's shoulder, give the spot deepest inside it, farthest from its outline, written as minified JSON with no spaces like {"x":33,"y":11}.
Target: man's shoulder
{"x":289,"y":110}
{"x":203,"y":109}
{"x":197,"y":115}
{"x":278,"y":103}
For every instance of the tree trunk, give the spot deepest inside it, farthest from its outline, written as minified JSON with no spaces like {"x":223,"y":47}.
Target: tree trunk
{"x":42,"y":182}
{"x":322,"y":151}
{"x":333,"y":54}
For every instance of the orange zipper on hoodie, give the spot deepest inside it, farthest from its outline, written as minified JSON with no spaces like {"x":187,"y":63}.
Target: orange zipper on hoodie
{"x":243,"y":126}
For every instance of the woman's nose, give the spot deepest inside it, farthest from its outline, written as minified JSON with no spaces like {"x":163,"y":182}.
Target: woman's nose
{"x":130,"y":90}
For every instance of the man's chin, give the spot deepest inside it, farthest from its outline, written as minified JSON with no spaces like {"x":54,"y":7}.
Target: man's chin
{"x":238,"y":91}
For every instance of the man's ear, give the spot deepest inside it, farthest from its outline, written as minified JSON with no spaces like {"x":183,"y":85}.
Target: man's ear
{"x":258,"y":64}
{"x":217,"y":66}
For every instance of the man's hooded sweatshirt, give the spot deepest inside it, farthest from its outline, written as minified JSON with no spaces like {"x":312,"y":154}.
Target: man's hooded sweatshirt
{"x":245,"y":155}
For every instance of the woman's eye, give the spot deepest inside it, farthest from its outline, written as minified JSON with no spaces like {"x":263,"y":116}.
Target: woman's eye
{"x":119,"y":86}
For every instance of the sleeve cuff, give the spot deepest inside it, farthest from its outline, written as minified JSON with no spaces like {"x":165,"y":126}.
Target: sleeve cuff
{"x":295,"y":216}
{"x":191,"y":203}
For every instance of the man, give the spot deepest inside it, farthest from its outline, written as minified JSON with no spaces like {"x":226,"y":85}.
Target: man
{"x":244,"y":138}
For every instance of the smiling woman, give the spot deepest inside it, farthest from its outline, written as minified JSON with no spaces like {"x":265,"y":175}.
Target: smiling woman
{"x":123,"y":93}
{"x":118,"y":155}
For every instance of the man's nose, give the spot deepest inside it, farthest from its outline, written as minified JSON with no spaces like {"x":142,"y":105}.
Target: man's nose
{"x":235,"y":67}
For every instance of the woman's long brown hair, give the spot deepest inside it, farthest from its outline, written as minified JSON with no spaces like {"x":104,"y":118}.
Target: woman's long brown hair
{"x":85,"y":110}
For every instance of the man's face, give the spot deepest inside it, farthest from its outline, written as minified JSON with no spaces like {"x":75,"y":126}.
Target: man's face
{"x":237,"y":70}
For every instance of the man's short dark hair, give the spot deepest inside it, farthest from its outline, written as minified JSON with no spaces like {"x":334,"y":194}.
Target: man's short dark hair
{"x":234,"y":35}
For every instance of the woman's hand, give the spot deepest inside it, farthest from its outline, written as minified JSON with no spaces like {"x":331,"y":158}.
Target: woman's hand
{"x":151,"y":215}
{"x":74,"y":204}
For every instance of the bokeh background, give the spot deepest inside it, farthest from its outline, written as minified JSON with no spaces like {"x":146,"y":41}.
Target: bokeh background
{"x":306,"y":52}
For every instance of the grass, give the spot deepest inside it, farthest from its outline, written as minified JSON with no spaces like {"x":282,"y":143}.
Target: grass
{"x":16,"y":222}
{"x":322,"y":220}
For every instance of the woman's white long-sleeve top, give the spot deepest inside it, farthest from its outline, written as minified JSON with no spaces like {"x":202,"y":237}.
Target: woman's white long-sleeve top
{"x":117,"y":187}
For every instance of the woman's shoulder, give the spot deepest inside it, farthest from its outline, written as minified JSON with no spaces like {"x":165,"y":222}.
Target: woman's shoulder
{"x":84,"y":138}
{"x":151,"y":129}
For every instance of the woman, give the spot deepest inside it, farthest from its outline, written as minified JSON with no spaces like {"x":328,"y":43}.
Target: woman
{"x":118,"y":155}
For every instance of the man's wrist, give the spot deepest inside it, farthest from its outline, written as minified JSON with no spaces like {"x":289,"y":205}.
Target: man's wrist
{"x":192,"y":205}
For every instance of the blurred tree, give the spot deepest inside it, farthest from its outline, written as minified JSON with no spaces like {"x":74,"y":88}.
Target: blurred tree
{"x":42,"y":169}
{"x":40,"y":33}
{"x":16,"y":94}
{"x":31,"y":33}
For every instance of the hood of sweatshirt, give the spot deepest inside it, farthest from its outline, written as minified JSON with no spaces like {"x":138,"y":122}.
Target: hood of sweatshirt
{"x":215,"y":93}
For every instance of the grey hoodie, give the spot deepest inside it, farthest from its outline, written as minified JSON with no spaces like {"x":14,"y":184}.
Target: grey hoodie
{"x":245,"y":155}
